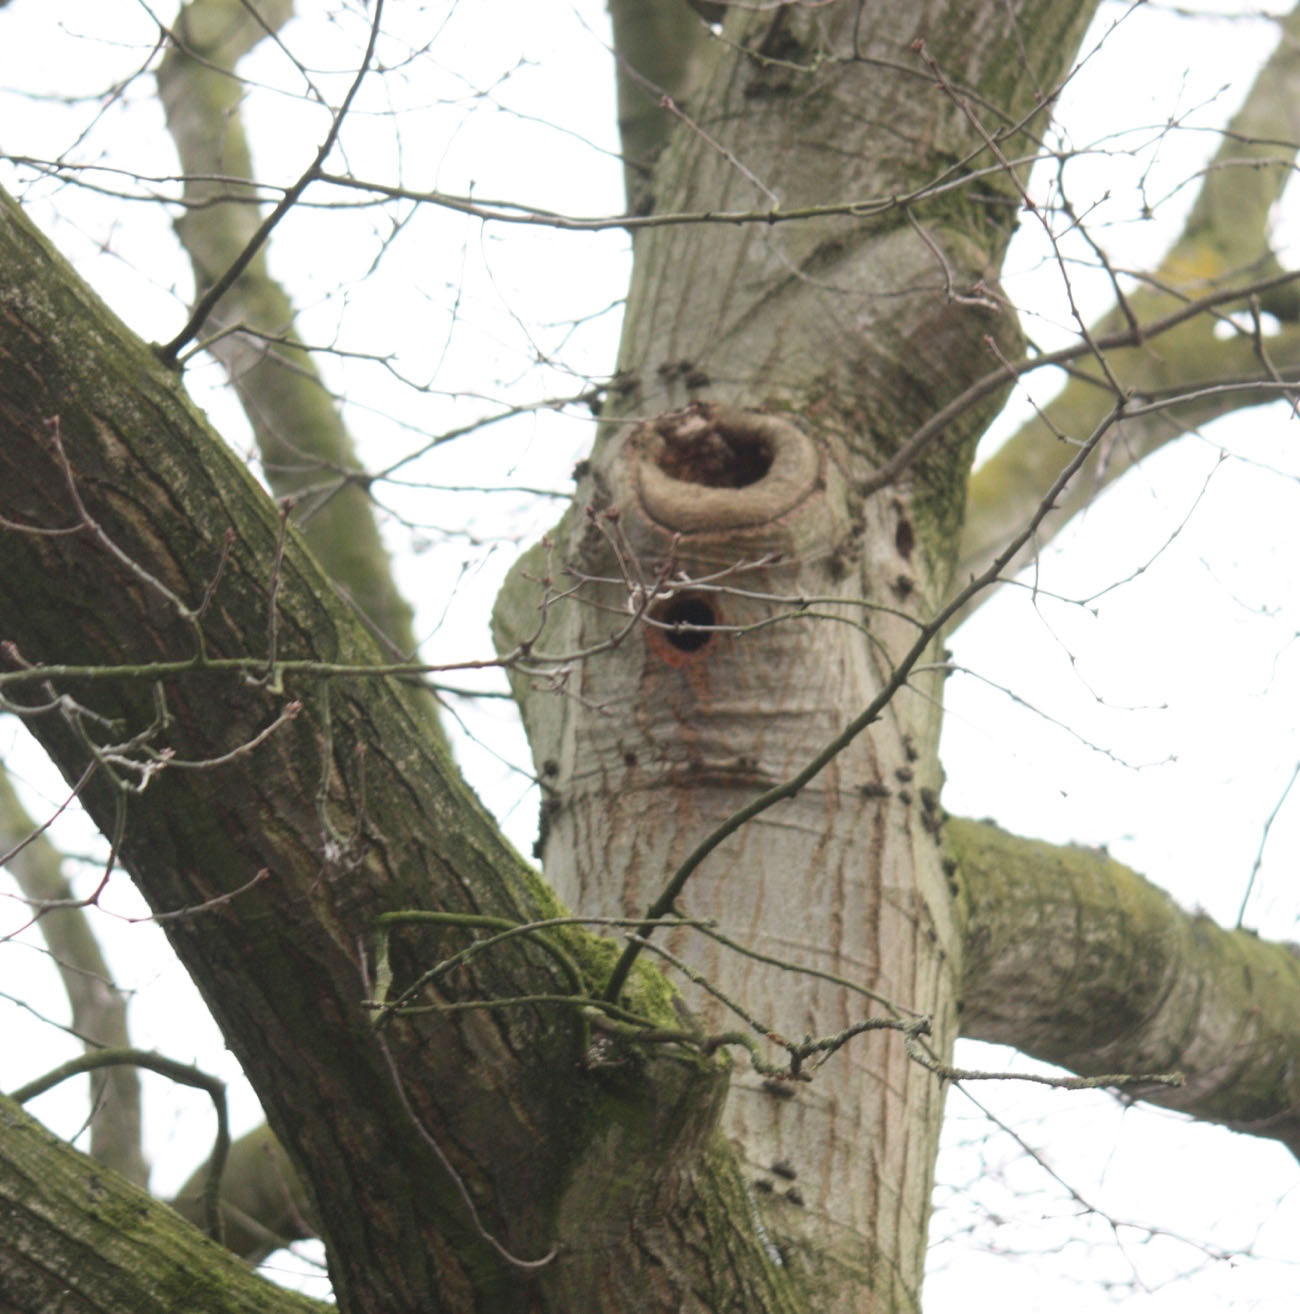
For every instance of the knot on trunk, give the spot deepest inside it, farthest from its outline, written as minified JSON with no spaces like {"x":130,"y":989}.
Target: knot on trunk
{"x":717,"y":468}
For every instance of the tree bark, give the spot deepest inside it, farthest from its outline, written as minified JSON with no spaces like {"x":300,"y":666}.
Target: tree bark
{"x":1075,"y":959}
{"x":76,"y":1236}
{"x":804,"y":356}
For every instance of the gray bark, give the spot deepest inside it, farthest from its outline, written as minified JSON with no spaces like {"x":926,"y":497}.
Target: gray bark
{"x":853,"y":330}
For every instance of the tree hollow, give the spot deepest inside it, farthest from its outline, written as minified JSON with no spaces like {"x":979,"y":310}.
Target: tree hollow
{"x":718,"y":468}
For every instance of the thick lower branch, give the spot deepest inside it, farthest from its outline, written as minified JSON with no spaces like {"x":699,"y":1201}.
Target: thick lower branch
{"x":76,"y":1235}
{"x":1075,"y":959}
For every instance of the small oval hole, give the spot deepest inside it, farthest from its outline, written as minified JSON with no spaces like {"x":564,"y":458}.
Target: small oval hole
{"x":682,"y":618}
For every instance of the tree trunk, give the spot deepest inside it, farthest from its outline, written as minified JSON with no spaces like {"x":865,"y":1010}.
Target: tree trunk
{"x":767,"y":372}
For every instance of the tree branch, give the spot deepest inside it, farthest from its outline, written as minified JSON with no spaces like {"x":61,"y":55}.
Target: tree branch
{"x":1078,"y":961}
{"x":211,"y":295}
{"x":73,"y":1233}
{"x":263,"y":1205}
{"x":352,"y":812}
{"x":1226,"y":239}
{"x":306,"y":450}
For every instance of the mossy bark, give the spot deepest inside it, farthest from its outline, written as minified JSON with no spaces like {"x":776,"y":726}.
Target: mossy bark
{"x":1077,"y":960}
{"x":74,"y":1235}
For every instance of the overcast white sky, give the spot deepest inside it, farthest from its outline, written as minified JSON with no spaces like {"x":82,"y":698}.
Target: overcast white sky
{"x":1167,"y":708}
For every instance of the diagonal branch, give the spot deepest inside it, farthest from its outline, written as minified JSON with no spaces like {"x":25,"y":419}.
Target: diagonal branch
{"x":1225,"y":242}
{"x":352,"y":811}
{"x":306,"y":450}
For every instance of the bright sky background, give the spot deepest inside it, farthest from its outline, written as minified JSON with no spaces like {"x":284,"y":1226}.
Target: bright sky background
{"x":1166,"y":722}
